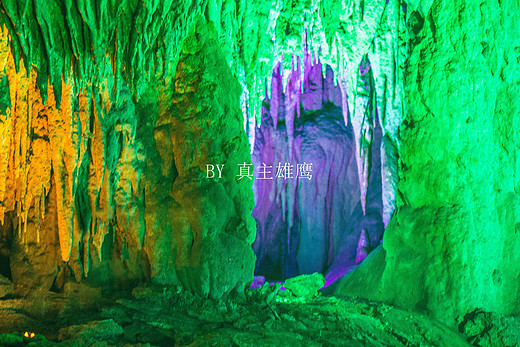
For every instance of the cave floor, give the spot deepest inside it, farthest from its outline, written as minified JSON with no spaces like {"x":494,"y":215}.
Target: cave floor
{"x":168,"y":316}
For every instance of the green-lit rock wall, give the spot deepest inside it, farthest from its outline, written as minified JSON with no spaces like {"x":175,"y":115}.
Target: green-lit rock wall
{"x":89,"y":82}
{"x":454,"y":243}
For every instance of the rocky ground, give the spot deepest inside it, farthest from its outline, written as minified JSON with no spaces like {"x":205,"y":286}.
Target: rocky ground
{"x":267,"y":316}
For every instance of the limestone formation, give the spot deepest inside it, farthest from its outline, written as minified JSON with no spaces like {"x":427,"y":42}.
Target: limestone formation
{"x":110,"y":188}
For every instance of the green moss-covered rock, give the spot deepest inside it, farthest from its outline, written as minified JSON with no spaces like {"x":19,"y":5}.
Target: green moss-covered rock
{"x":11,"y":339}
{"x":92,"y":332}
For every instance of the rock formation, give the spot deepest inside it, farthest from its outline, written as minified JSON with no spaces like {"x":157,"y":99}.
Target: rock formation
{"x":453,"y":244}
{"x":109,"y":188}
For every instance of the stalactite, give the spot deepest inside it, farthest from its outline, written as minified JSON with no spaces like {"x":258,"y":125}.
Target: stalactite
{"x":291,"y":103}
{"x":363,"y":124}
{"x":342,"y":81}
{"x":60,"y":131}
{"x":39,"y":139}
{"x":276,"y":92}
{"x":92,"y":58}
{"x":5,"y":125}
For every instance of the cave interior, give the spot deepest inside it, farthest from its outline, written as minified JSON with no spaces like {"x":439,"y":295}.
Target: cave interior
{"x":258,"y":173}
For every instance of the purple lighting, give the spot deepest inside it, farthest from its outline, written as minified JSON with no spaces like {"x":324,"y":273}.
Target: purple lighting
{"x":318,"y":225}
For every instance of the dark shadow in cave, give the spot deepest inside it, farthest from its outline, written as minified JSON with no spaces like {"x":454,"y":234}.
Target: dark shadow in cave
{"x":6,"y":238}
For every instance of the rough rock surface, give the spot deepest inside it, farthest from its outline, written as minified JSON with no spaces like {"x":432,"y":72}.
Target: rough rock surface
{"x":92,"y":332}
{"x":489,"y":329}
{"x":110,"y":189}
{"x":453,"y":245}
{"x":6,"y":286}
{"x":87,"y":175}
{"x":97,"y":166}
{"x":166,"y":316}
{"x":365,"y":44}
{"x":305,"y":286}
{"x":124,"y":43}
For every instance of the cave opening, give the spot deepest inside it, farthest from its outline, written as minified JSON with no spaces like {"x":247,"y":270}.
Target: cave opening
{"x":326,"y":220}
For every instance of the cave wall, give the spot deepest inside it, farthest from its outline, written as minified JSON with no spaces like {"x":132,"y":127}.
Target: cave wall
{"x":453,"y":244}
{"x":105,"y":186}
{"x":455,"y":239}
{"x":112,"y":55}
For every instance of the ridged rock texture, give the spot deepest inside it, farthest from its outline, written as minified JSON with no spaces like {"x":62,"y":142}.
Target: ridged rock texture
{"x":105,"y":187}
